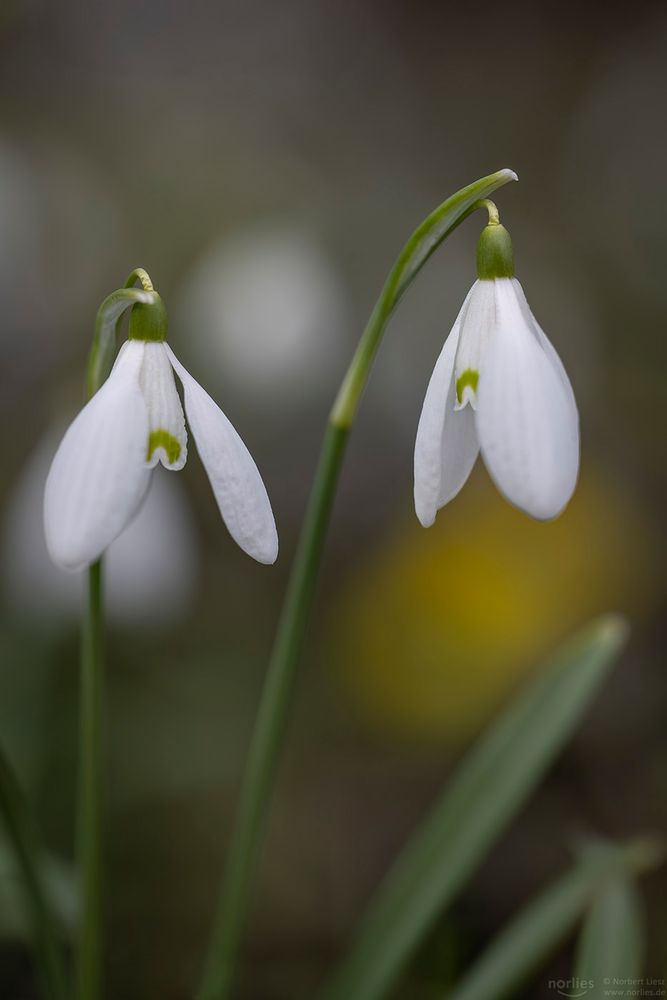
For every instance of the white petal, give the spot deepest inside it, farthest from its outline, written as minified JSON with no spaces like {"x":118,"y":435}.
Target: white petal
{"x":237,"y":484}
{"x":476,"y":329}
{"x":526,"y":419}
{"x":550,"y":351}
{"x":98,"y":478}
{"x":167,"y":440}
{"x":446,"y":445}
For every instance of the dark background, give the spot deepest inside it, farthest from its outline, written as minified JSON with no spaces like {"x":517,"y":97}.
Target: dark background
{"x":265,"y":162}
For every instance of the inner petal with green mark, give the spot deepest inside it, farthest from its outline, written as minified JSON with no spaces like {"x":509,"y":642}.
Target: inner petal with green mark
{"x":167,"y":437}
{"x":170,"y":446}
{"x":466,"y":387}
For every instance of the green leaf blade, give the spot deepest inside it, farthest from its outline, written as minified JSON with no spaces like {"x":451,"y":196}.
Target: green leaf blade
{"x":612,"y":945}
{"x":489,"y":788}
{"x":545,"y":922}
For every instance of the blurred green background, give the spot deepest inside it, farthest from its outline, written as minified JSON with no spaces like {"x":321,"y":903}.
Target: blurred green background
{"x":265,"y":163}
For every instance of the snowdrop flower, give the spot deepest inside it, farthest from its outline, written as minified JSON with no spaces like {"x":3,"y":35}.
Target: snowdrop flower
{"x":101,"y":472}
{"x":145,"y":581}
{"x":499,"y":387}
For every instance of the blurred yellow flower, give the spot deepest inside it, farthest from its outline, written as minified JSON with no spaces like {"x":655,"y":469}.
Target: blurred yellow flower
{"x":437,"y":628}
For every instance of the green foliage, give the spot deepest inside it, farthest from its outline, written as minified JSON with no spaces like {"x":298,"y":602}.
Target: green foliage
{"x":612,"y":944}
{"x":535,"y":933}
{"x":488,"y":790}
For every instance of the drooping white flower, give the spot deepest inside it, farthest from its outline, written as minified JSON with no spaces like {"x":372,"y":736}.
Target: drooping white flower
{"x":500,"y":388}
{"x":101,"y":471}
{"x":145,"y":580}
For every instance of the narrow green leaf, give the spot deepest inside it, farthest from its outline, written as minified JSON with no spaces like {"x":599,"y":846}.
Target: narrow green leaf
{"x":544,"y":923}
{"x":490,"y":787}
{"x":611,"y":947}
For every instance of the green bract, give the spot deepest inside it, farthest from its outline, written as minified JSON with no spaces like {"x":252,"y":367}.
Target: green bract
{"x":148,"y":321}
{"x":495,"y":257}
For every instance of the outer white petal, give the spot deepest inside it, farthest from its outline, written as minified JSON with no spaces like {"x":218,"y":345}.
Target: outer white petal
{"x":526,"y":418}
{"x":446,"y":445}
{"x":98,"y":478}
{"x":550,"y":351}
{"x":167,"y":441}
{"x":235,"y":479}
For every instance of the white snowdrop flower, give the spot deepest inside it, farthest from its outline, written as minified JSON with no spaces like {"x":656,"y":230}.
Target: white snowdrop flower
{"x":145,"y":580}
{"x":101,"y":471}
{"x":500,"y":388}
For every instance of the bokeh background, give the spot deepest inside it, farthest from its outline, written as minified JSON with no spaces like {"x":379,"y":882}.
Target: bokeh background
{"x":265,"y":163}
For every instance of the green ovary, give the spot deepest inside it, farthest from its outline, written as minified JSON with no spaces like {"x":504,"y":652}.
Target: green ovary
{"x":468,"y":377}
{"x":163,"y":439}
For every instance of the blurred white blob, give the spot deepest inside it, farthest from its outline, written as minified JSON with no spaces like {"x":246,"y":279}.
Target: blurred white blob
{"x":150,"y":571}
{"x":267,"y":306}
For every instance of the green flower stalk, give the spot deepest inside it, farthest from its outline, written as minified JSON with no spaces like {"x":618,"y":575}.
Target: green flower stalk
{"x":269,"y":728}
{"x":97,"y":483}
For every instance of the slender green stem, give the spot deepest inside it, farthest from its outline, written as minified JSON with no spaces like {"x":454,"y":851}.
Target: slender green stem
{"x":492,"y":209}
{"x":143,"y":277}
{"x":19,"y":823}
{"x":266,"y":741}
{"x":25,"y":841}
{"x":260,"y":766}
{"x":89,"y":951}
{"x":103,"y":346}
{"x":423,"y":242}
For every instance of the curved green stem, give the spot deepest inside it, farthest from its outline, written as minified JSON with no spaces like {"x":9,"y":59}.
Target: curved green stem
{"x":89,"y":829}
{"x":89,"y":823}
{"x":492,"y":209}
{"x":267,"y":737}
{"x":143,"y":277}
{"x":19,"y":823}
{"x":104,"y":339}
{"x":25,"y":841}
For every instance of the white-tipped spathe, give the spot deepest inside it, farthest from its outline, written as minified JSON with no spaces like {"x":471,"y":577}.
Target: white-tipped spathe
{"x":498,"y":386}
{"x":101,"y":471}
